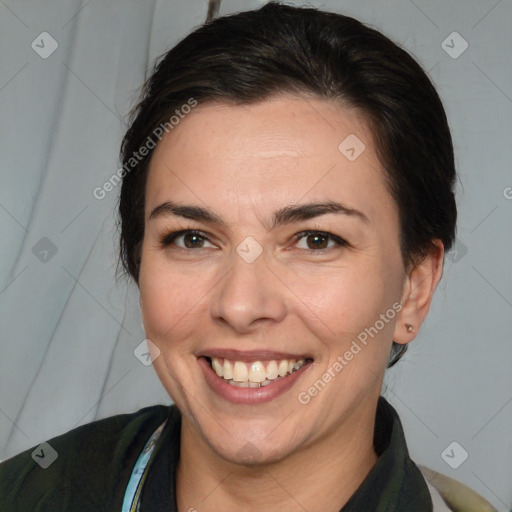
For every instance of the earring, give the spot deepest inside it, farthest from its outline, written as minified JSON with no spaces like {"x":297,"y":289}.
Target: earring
{"x":409,"y":328}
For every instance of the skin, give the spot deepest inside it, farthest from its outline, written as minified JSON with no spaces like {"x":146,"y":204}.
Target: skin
{"x":244,"y":163}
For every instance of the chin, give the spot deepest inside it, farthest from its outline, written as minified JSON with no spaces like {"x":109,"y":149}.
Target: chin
{"x":250,"y":453}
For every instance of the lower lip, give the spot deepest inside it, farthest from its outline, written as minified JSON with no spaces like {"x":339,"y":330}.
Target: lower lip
{"x":249,"y":396}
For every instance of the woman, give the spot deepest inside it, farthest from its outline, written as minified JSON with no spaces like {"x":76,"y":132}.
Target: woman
{"x":286,"y":204}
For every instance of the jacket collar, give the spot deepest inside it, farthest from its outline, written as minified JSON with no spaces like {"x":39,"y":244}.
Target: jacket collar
{"x":395,"y":483}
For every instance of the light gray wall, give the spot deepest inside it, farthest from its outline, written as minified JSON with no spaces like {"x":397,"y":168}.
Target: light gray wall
{"x":68,"y":331}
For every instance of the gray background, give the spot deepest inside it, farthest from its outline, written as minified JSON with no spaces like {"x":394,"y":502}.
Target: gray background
{"x":68,"y":330}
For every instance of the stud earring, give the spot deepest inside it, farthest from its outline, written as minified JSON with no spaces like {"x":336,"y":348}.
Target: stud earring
{"x":409,"y":328}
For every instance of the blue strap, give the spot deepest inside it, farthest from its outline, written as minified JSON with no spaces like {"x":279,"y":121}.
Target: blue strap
{"x":131,"y":502}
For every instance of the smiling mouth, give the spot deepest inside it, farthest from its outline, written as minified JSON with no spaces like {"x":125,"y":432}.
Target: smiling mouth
{"x":255,"y":374}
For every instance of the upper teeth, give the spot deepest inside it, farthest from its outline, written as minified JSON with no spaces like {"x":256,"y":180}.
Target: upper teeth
{"x":256,"y":372}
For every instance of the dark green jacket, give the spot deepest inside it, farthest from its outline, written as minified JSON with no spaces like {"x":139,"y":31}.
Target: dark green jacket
{"x":94,"y":463}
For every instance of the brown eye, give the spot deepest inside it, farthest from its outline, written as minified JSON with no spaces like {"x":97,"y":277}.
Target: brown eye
{"x":186,"y":239}
{"x":318,"y":240}
{"x":192,"y":241}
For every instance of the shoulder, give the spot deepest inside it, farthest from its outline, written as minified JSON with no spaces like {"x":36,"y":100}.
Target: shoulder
{"x":450,"y":495}
{"x":84,"y":469}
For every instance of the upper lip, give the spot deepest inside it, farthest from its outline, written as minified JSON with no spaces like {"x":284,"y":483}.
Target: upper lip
{"x":250,"y":355}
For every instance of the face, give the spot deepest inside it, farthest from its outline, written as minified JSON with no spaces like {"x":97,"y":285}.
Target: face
{"x":271,"y":257}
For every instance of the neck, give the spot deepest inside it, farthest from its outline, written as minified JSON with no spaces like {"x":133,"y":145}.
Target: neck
{"x":322,"y":476}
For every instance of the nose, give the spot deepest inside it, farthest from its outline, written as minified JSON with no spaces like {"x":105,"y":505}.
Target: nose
{"x":249,"y":297}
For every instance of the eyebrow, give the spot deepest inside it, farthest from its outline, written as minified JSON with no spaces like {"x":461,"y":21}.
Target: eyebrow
{"x":306,"y":211}
{"x":188,"y":212}
{"x":286,"y":215}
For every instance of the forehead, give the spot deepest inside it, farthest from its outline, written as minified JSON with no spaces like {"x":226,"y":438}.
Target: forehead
{"x":263,"y":155}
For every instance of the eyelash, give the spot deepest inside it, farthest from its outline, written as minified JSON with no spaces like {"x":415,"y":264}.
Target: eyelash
{"x":312,"y":232}
{"x":168,"y":238}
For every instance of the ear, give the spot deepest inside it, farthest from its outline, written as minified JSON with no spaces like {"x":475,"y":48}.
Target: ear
{"x":419,"y":286}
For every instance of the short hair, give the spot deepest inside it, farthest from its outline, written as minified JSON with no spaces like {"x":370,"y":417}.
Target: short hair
{"x":254,"y":55}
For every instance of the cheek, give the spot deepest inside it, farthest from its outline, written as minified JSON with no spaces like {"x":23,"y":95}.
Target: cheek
{"x":172,"y":301}
{"x":156,"y":301}
{"x":159,"y":301}
{"x":342,"y":302}
{"x":347,"y":306}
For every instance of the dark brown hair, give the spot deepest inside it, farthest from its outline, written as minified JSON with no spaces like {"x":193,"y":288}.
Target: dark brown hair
{"x":250,"y":56}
